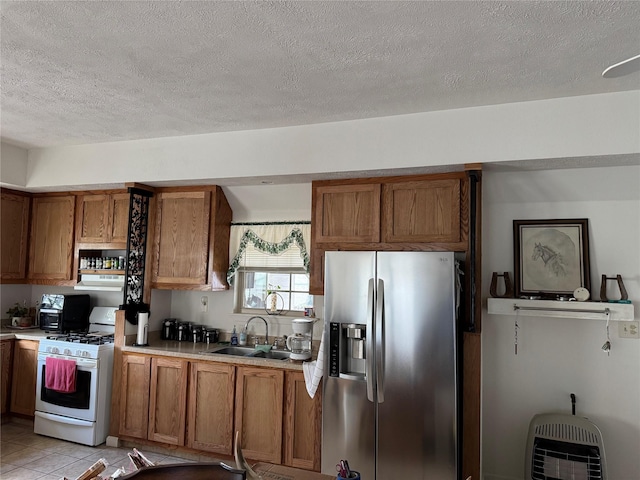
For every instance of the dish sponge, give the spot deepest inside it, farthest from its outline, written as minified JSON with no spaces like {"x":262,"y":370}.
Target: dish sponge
{"x":263,"y":348}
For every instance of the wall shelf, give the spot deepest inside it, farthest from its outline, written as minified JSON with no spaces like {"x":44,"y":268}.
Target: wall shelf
{"x":619,"y":312}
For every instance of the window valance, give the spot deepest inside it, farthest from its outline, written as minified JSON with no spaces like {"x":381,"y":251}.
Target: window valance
{"x":268,"y":245}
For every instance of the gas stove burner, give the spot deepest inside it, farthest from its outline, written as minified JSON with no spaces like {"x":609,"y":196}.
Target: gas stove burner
{"x":85,"y":338}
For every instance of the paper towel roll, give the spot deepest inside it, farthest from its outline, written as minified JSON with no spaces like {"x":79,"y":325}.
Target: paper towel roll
{"x":143,"y":325}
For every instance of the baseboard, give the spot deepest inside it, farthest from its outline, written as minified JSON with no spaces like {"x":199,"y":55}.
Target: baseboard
{"x":489,"y":476}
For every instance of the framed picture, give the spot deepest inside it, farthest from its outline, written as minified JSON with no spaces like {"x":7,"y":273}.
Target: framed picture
{"x":551,"y":257}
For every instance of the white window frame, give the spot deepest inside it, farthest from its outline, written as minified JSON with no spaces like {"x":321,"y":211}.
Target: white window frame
{"x":239,"y":290}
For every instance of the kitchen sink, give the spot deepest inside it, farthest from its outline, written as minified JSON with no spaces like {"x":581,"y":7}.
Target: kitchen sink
{"x":250,"y":352}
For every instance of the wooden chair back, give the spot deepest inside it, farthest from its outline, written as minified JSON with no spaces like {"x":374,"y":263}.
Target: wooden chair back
{"x":188,"y":471}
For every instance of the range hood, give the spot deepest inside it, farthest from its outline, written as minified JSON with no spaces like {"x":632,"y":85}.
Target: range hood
{"x":104,"y":283}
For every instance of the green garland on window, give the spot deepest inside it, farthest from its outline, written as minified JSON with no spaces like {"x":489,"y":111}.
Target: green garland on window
{"x":268,"y":247}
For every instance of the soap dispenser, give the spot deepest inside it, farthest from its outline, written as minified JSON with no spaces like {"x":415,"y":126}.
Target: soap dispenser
{"x":234,"y":336}
{"x":242,"y":341}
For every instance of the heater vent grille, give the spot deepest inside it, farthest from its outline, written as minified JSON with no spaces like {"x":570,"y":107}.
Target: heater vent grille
{"x":570,"y":433}
{"x":564,"y":447}
{"x":561,"y":460}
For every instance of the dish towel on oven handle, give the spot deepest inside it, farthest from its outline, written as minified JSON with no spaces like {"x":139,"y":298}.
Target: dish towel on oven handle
{"x":60,"y":375}
{"x":313,"y":370}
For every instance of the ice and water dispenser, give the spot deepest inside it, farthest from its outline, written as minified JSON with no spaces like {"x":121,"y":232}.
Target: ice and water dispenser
{"x":347,"y":351}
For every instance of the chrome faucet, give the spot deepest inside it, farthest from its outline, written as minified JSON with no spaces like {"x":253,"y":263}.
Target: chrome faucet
{"x":266,"y":327}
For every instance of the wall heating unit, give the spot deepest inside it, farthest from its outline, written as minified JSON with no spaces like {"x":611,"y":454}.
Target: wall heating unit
{"x":564,"y":447}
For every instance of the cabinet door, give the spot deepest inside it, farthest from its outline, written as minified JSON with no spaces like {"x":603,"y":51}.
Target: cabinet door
{"x":347,"y":213}
{"x":6,"y":359}
{"x":92,"y":220}
{"x":210,"y":407}
{"x":167,"y":402}
{"x":103,"y":218}
{"x":182,"y":238}
{"x":259,"y":395}
{"x":421,"y":211}
{"x":51,"y":248}
{"x":119,"y":217}
{"x":14,"y":218}
{"x":316,"y":272}
{"x":134,"y":396}
{"x":302,"y":424}
{"x":23,"y":384}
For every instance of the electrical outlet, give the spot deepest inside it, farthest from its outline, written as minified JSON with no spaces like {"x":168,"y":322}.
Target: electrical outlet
{"x":629,"y":329}
{"x":204,"y":300}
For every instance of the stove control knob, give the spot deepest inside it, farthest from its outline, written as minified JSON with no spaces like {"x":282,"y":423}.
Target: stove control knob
{"x":78,"y":353}
{"x":86,"y":354}
{"x":55,"y":350}
{"x":67,"y":351}
{"x":49,"y":349}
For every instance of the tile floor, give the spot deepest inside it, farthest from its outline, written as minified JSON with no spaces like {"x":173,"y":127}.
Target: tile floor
{"x":27,"y":456}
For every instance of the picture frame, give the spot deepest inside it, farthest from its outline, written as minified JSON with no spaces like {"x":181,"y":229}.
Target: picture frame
{"x":551,"y":257}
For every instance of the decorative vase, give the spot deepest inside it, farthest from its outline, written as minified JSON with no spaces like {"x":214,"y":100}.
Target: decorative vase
{"x":24,"y":321}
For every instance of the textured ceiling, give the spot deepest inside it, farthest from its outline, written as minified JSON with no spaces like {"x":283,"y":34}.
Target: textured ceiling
{"x":86,"y":72}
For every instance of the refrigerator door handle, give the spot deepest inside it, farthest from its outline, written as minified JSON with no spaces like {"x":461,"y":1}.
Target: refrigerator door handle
{"x":369,"y":342}
{"x":379,"y":332}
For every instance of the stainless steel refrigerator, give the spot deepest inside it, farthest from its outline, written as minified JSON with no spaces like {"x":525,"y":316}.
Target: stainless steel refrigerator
{"x":390,"y":398}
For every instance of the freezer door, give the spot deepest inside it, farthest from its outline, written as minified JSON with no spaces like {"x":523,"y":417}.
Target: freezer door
{"x":417,"y":381}
{"x":348,"y":417}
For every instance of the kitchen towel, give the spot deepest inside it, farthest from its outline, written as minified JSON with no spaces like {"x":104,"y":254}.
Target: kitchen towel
{"x":313,"y":370}
{"x":60,"y":375}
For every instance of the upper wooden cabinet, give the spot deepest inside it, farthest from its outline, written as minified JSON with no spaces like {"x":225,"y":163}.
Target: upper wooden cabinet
{"x":103,"y":218}
{"x":51,"y":239}
{"x":426,"y":211}
{"x":191,"y":245}
{"x":14,"y":229}
{"x":419,"y":209}
{"x":347,"y":213}
{"x":421,"y":212}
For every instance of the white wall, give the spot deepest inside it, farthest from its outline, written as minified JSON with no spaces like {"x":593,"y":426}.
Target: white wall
{"x":32,"y":294}
{"x":572,"y":127}
{"x":13,"y":165}
{"x":557,"y":357}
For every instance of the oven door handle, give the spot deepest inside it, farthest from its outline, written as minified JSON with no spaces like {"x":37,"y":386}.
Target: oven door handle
{"x":61,"y":419}
{"x":83,"y":363}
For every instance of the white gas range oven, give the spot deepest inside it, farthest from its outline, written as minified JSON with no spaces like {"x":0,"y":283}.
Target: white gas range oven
{"x":81,"y":415}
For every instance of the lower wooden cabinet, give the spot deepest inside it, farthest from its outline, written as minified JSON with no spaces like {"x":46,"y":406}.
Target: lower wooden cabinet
{"x":6,"y":364}
{"x":200,"y":405}
{"x":134,"y":395}
{"x":168,"y":400}
{"x":259,"y":400}
{"x":23,"y":384}
{"x":302,"y":424}
{"x":210,"y":407}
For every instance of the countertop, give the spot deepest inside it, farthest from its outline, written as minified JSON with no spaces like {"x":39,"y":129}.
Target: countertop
{"x":186,"y":350}
{"x":8,"y":332}
{"x":193,"y":351}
